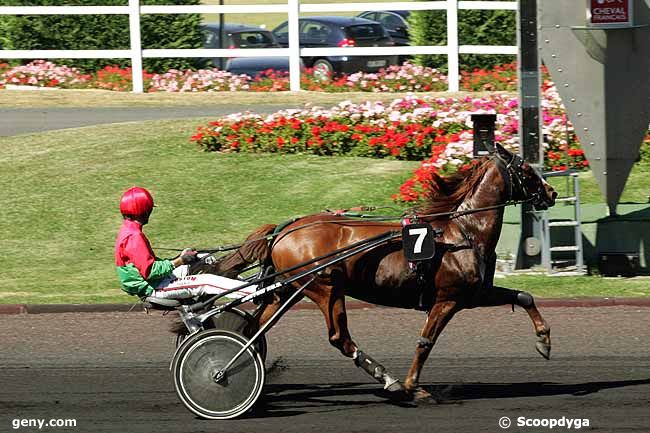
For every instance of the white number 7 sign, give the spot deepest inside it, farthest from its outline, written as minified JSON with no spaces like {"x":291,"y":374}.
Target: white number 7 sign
{"x":418,"y":242}
{"x":421,"y":233}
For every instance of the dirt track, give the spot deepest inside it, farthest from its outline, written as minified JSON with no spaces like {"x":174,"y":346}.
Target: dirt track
{"x":109,"y":372}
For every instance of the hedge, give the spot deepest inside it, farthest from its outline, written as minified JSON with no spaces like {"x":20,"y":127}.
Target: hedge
{"x":475,"y":27}
{"x":96,"y":32}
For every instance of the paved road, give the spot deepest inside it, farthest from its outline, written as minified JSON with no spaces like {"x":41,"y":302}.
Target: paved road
{"x":23,"y":121}
{"x":109,"y":372}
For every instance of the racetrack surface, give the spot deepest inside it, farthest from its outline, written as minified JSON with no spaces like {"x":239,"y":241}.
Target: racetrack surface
{"x":14,"y":121}
{"x":109,"y":371}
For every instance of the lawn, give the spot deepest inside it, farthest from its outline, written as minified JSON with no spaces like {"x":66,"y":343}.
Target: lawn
{"x":637,"y":188}
{"x":61,"y":191}
{"x":268,"y":20}
{"x":105,"y":98}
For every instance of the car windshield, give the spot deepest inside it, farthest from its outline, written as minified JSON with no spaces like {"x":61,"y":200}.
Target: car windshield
{"x":252,"y":39}
{"x":365,"y":31}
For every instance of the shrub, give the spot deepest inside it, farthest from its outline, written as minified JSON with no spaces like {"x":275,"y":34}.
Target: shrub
{"x":96,"y":32}
{"x":475,"y":27}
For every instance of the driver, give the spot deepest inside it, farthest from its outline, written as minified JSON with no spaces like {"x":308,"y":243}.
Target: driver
{"x":143,"y":274}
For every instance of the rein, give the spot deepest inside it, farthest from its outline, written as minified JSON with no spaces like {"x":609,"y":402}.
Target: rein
{"x":451,"y":214}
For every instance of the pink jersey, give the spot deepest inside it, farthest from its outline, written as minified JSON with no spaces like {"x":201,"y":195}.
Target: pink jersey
{"x":132,"y":247}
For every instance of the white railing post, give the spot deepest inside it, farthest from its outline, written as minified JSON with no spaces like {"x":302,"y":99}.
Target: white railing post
{"x":294,"y":45}
{"x":136,"y":46}
{"x":452,"y":45}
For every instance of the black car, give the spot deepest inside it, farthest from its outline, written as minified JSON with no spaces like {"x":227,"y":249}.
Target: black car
{"x":239,"y":36}
{"x":334,"y":31}
{"x":396,"y":22}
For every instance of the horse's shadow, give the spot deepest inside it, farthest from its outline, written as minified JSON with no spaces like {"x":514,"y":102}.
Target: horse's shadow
{"x":285,"y":400}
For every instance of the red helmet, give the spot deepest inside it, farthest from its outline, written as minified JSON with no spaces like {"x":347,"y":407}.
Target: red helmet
{"x":136,"y":202}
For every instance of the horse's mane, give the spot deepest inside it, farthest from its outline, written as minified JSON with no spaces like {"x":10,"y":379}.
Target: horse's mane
{"x":445,"y":194}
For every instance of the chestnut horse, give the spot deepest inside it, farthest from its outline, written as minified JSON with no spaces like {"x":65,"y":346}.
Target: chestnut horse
{"x":459,"y":276}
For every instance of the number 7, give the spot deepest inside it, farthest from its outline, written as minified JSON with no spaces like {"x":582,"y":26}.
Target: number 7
{"x":421,"y":234}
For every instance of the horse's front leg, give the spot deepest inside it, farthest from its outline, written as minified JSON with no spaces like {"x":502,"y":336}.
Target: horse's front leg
{"x":439,"y":315}
{"x":331,"y":301}
{"x":502,"y":296}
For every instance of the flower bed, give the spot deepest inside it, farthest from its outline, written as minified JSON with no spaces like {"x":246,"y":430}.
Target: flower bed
{"x":41,"y":73}
{"x":3,"y":68}
{"x":404,"y":78}
{"x":437,"y":131}
{"x":501,"y":77}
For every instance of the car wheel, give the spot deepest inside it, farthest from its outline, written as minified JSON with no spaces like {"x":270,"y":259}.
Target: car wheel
{"x":323,"y":70}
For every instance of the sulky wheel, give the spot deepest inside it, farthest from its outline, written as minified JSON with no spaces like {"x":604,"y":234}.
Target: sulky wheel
{"x":195,"y":367}
{"x":239,"y":321}
{"x":243,"y":323}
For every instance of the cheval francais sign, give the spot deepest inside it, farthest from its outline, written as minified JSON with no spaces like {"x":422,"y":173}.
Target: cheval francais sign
{"x":610,"y":13}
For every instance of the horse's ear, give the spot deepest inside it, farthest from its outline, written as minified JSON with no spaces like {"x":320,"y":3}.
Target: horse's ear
{"x":502,"y":150}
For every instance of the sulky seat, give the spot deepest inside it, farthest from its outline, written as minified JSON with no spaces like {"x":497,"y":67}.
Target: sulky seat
{"x":160,"y":303}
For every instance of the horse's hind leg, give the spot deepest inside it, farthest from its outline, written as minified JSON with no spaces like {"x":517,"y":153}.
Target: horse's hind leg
{"x":438,"y":317}
{"x":332,"y":303}
{"x":503,"y":296}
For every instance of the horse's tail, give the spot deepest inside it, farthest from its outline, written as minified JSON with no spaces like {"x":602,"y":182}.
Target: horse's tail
{"x":256,"y":248}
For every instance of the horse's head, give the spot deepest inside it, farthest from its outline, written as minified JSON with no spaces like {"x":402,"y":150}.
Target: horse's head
{"x":523,"y":181}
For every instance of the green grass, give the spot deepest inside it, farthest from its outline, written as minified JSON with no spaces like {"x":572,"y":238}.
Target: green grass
{"x":591,"y":286}
{"x":61,"y":192}
{"x":268,"y":20}
{"x":106,"y":98}
{"x":637,"y":188}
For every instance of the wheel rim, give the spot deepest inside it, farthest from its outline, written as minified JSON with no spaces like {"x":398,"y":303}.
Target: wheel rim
{"x":202,"y":359}
{"x":322,"y":72}
{"x":238,"y":321}
{"x":233,"y":320}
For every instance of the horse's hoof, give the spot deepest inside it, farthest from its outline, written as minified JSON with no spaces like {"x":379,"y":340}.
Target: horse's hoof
{"x":421,"y":395}
{"x":544,"y":349}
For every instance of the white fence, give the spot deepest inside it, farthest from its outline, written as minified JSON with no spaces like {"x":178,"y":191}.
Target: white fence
{"x":293,"y":8}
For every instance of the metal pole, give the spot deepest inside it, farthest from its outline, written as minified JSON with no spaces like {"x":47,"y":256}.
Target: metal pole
{"x":530,"y":145}
{"x":294,"y":45}
{"x":221,"y":374}
{"x":222,"y":34}
{"x":136,"y":46}
{"x":452,"y":45}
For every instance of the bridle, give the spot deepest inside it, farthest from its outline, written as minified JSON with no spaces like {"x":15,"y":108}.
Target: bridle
{"x":513,"y":173}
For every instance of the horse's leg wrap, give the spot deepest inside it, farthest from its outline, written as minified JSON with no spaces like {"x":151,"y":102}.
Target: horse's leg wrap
{"x":525,"y":299}
{"x":376,"y":370}
{"x":502,"y":296}
{"x":425,"y":343}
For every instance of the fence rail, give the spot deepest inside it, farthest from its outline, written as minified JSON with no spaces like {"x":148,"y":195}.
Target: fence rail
{"x":292,"y":8}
